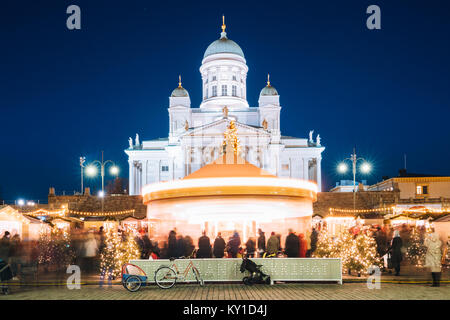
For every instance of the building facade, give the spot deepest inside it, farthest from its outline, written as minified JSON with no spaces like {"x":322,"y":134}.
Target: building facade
{"x":196,"y":134}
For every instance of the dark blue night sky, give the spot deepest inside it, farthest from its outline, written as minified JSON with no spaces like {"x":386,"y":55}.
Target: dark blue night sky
{"x":65,"y":93}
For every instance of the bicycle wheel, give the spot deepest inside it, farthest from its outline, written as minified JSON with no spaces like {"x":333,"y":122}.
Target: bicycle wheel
{"x":198,"y":277}
{"x":133,"y":283}
{"x":165,"y":277}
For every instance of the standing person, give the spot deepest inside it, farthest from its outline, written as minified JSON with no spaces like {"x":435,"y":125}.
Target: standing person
{"x":396,"y":252}
{"x":5,"y":246}
{"x":15,"y":255}
{"x":314,"y":237}
{"x":273,"y":244}
{"x":233,"y":244}
{"x":381,"y":241}
{"x":204,"y":246}
{"x":101,"y":237}
{"x":291,"y":246}
{"x":261,"y":243}
{"x":172,"y":245}
{"x":189,"y":247}
{"x":279,"y":242}
{"x":250,"y":248}
{"x":147,"y":245}
{"x":308,"y":243}
{"x":433,"y":257}
{"x":155,"y":252}
{"x":181,"y":246}
{"x":90,"y":252}
{"x":140,"y":243}
{"x":219,"y":246}
{"x":302,"y":245}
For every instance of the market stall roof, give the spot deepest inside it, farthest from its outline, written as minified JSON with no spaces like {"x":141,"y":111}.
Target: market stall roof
{"x":445,"y":218}
{"x":131,"y":218}
{"x":403,"y":217}
{"x":9,"y":213}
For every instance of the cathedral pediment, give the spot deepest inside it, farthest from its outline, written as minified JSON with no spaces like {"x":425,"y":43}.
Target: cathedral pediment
{"x":217,"y":128}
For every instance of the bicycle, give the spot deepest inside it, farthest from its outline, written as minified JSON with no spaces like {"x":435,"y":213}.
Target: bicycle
{"x":167,"y":276}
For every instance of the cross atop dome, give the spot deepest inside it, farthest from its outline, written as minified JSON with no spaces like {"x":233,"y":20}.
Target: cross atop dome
{"x":268,"y":90}
{"x":223,"y":34}
{"x":223,"y":23}
{"x":179,"y":91}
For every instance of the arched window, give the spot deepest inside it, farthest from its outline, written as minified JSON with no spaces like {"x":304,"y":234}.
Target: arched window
{"x":234,"y":91}
{"x":224,"y":90}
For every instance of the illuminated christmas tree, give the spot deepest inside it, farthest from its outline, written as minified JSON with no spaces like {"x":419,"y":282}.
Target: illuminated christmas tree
{"x":117,"y":253}
{"x":44,"y":248}
{"x":363,"y":254}
{"x":128,"y":250}
{"x":55,"y":249}
{"x":416,"y":250}
{"x":357,"y":253}
{"x":108,"y":259}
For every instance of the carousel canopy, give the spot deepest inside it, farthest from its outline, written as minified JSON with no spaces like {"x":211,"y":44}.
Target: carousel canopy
{"x":229,"y":175}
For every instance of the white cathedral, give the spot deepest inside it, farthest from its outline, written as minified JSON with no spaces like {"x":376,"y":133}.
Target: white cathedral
{"x":196,"y":134}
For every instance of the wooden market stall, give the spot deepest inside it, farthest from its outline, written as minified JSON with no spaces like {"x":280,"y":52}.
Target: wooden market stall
{"x":27,"y":227}
{"x":442,"y":226}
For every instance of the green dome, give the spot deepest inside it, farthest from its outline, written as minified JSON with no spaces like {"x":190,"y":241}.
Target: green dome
{"x":269,"y":91}
{"x":179,"y":92}
{"x":223,"y":45}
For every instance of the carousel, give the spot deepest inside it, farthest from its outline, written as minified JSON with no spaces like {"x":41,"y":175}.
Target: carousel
{"x":227,"y":195}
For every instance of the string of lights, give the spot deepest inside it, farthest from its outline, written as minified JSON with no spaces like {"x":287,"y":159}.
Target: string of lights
{"x":102,"y":214}
{"x":43,"y":212}
{"x":384,"y":209}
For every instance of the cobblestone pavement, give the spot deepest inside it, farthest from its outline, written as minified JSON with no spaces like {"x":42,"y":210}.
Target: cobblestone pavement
{"x":211,"y":291}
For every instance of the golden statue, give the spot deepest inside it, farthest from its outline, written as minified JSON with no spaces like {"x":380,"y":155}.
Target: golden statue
{"x":264,"y":124}
{"x":186,"y":125}
{"x":225,"y":112}
{"x":230,"y":139}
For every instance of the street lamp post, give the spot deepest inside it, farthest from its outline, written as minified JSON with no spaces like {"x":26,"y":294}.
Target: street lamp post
{"x":365,"y":168}
{"x":82,"y":161}
{"x":92,"y":170}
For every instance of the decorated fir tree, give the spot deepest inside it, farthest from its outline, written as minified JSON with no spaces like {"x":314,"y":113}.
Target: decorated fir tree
{"x":108,"y":259}
{"x":44,"y":249}
{"x":116,"y":253}
{"x":54,"y":249}
{"x":357,"y":253}
{"x":363,"y":254}
{"x":128,"y":250}
{"x":326,"y":247}
{"x":416,"y":250}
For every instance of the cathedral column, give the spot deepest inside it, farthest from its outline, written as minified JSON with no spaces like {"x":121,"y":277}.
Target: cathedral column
{"x":171,"y":168}
{"x":305,"y":168}
{"x":138,"y":177}
{"x":131,"y":177}
{"x":144,"y":173}
{"x":319,"y":173}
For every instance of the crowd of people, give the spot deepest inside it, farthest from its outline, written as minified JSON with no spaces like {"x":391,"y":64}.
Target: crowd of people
{"x":87,"y":246}
{"x":178,"y":246}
